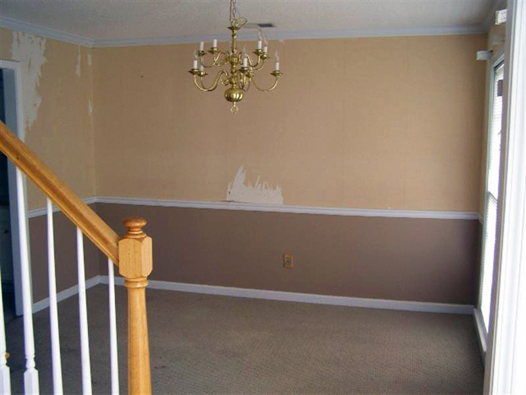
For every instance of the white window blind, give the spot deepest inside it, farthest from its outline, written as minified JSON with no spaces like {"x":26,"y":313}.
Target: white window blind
{"x":492,"y":196}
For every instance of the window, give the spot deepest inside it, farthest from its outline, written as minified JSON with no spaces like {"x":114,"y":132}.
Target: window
{"x":492,"y":193}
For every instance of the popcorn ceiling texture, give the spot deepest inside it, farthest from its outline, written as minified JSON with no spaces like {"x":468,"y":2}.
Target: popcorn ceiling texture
{"x":179,"y":19}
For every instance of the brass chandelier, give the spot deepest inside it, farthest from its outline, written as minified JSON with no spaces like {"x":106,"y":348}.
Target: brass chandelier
{"x":242,"y":65}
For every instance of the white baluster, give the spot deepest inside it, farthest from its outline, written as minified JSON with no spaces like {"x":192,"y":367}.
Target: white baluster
{"x":113,"y":332}
{"x":5,"y":382}
{"x":83,"y":312}
{"x":30,"y":374}
{"x":53,"y":309}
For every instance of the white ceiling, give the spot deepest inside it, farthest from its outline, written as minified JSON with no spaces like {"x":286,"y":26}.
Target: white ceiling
{"x":149,"y":21}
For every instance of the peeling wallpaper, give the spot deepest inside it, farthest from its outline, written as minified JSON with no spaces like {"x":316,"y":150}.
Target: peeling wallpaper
{"x":260,"y":192}
{"x":56,"y":99}
{"x":29,"y":51}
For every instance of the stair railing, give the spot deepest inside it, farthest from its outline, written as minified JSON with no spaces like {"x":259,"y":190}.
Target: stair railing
{"x":132,"y":254}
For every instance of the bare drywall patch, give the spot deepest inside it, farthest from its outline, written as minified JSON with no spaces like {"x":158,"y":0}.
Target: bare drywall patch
{"x":238,"y":191}
{"x":77,"y":68}
{"x":29,"y":50}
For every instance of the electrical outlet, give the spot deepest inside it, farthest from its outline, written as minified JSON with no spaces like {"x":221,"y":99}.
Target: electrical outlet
{"x":288,"y":261}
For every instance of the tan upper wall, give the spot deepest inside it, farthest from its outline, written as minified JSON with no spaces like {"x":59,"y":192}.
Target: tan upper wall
{"x":59,"y":127}
{"x":366,"y":123}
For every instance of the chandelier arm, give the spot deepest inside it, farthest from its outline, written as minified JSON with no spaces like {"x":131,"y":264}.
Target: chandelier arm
{"x":224,"y":79}
{"x":268,"y":89}
{"x":201,"y":86}
{"x":196,"y":83}
{"x":259,"y":66}
{"x":217,"y":61}
{"x":256,"y":64}
{"x":243,"y":81}
{"x":246,"y":86}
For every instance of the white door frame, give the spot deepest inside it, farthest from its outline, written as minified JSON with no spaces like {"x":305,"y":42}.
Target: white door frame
{"x":15,"y":122}
{"x":506,"y":355}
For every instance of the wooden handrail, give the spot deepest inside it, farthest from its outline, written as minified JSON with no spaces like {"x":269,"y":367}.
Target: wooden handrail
{"x":68,"y":201}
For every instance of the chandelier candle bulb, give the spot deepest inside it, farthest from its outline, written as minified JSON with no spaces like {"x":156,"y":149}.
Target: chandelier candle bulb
{"x":260,"y":44}
{"x":194,"y":64}
{"x":245,"y":60}
{"x":214,"y":45}
{"x":265,"y":49}
{"x":201,"y":46}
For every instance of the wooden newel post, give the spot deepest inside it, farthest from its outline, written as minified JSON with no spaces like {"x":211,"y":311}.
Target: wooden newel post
{"x":135,"y":264}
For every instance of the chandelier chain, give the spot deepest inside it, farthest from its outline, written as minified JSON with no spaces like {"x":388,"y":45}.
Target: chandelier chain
{"x":233,"y":11}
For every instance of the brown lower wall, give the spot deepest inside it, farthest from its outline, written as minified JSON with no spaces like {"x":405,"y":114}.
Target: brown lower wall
{"x":65,"y":255}
{"x":425,"y":260}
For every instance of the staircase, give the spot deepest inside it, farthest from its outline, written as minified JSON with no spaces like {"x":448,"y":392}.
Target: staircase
{"x":132,"y":254}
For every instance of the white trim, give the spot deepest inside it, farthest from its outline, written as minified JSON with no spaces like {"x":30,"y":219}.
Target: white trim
{"x":482,"y":334}
{"x":236,"y":206}
{"x":366,"y":303}
{"x":423,"y":307}
{"x":38,"y":212}
{"x":347,"y":212}
{"x":67,"y":293}
{"x":39,"y":30}
{"x":274,"y":34}
{"x":506,"y":357}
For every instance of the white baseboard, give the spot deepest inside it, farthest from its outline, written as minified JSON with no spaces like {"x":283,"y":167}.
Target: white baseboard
{"x":67,"y":293}
{"x":481,"y":332}
{"x":423,"y":307}
{"x":305,"y":298}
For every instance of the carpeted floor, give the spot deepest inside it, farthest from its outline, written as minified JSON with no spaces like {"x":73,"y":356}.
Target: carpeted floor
{"x":202,"y":344}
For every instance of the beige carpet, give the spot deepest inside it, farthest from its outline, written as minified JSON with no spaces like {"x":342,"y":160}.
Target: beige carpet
{"x":204,"y":344}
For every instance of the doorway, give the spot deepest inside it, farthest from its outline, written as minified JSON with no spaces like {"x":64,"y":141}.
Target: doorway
{"x":11,"y":102}
{"x":6,"y":254}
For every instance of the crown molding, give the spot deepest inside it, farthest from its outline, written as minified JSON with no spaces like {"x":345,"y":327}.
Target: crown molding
{"x":190,"y":39}
{"x":274,"y":34}
{"x":46,"y":32}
